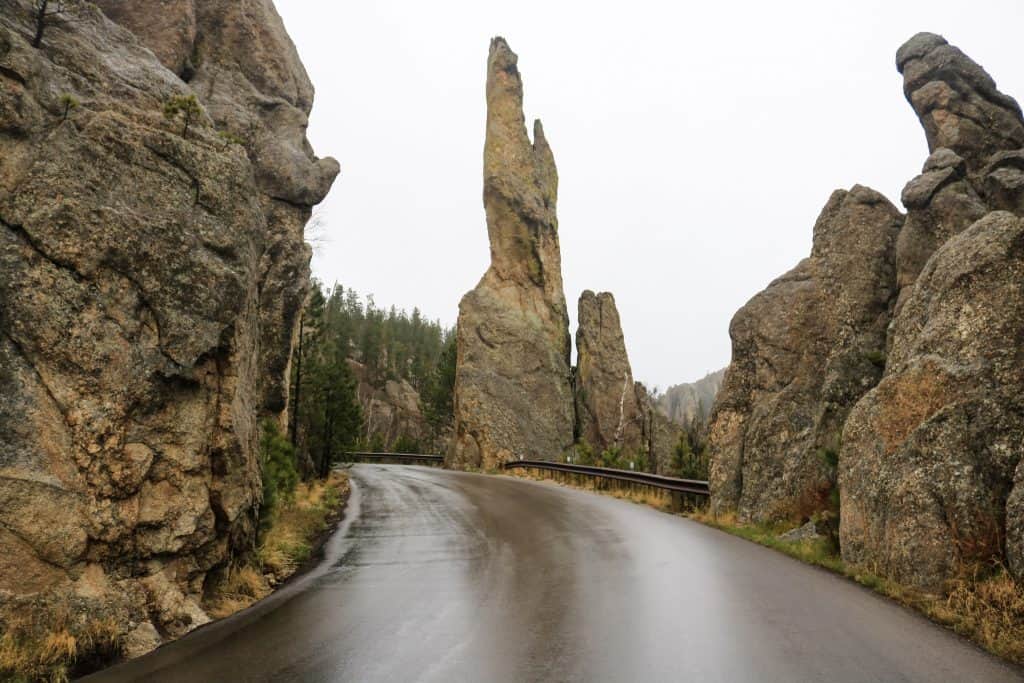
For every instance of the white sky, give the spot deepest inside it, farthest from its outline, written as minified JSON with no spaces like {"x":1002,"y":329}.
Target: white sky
{"x":695,"y":143}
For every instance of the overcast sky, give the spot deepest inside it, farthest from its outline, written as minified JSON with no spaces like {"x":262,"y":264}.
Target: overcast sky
{"x":695,"y":145}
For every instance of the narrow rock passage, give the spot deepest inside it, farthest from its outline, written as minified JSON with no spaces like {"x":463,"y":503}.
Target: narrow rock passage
{"x":446,"y":576}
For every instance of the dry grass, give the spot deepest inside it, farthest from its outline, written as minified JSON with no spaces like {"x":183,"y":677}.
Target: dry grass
{"x":242,"y":587}
{"x":289,"y":541}
{"x":286,"y":545}
{"x":46,"y":644}
{"x":636,"y":493}
{"x":987,"y":609}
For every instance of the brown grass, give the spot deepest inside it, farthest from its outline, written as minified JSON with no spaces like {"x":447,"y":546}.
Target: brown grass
{"x":987,"y":609}
{"x":242,"y":587}
{"x":284,"y":547}
{"x":644,"y":495}
{"x":45,"y":644}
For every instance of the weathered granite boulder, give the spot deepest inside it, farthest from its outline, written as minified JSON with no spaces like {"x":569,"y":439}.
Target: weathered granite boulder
{"x":940,"y":202}
{"x":513,"y":395}
{"x":607,"y":410}
{"x":659,"y":436}
{"x":613,"y":412}
{"x":929,"y":458}
{"x":957,"y":102}
{"x":804,"y":350}
{"x":929,"y":470}
{"x":149,"y":283}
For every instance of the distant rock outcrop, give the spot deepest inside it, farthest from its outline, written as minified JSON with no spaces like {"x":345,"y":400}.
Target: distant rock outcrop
{"x":804,"y":350}
{"x":513,"y":396}
{"x":150,"y":284}
{"x":930,"y":470}
{"x":685,"y":404}
{"x":391,"y":410}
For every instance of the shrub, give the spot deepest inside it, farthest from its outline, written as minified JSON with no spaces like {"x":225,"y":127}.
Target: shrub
{"x":689,"y":462}
{"x":277,"y":460}
{"x":186,"y":106}
{"x":68,"y":102}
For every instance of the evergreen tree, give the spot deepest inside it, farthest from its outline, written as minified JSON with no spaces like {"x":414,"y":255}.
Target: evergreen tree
{"x":338,"y":327}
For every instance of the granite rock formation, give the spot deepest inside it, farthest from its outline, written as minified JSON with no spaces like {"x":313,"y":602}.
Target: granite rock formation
{"x":614,"y":412}
{"x":804,"y":350}
{"x":150,"y":287}
{"x":930,"y":469}
{"x":607,"y":410}
{"x":513,"y":394}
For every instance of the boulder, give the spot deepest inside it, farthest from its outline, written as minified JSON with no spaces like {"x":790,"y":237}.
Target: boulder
{"x":957,"y":102}
{"x":513,"y":394}
{"x":803,"y":351}
{"x":391,"y":408}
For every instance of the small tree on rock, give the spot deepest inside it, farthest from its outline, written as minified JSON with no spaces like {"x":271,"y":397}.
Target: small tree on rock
{"x":186,"y":106}
{"x":45,"y":13}
{"x":69,"y":102}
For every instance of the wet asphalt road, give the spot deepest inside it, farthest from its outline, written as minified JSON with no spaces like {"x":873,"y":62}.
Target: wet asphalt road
{"x":443,"y":576}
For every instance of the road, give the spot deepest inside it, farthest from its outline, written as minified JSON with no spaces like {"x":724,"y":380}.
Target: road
{"x":444,"y":576}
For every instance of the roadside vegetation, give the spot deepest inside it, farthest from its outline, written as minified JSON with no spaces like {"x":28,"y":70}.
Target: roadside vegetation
{"x":689,"y":455}
{"x":290,"y":531}
{"x":48,"y":643}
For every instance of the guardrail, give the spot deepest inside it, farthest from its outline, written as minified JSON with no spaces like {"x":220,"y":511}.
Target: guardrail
{"x":395,"y":458}
{"x":678,"y":488}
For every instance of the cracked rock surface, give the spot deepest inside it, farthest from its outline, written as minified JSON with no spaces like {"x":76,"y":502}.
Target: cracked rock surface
{"x":149,"y":283}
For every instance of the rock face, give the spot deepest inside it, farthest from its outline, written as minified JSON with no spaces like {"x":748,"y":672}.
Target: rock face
{"x":237,"y":57}
{"x":930,"y":473}
{"x":391,"y":409}
{"x":804,"y":350}
{"x":150,"y":285}
{"x":612,"y":410}
{"x":686,"y":404}
{"x":607,"y":410}
{"x":513,"y":395}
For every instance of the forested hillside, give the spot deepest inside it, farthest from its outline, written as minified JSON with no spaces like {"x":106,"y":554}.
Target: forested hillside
{"x":368,"y":378}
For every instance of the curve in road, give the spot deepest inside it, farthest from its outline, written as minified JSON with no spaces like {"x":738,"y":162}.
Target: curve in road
{"x":447,"y":576}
